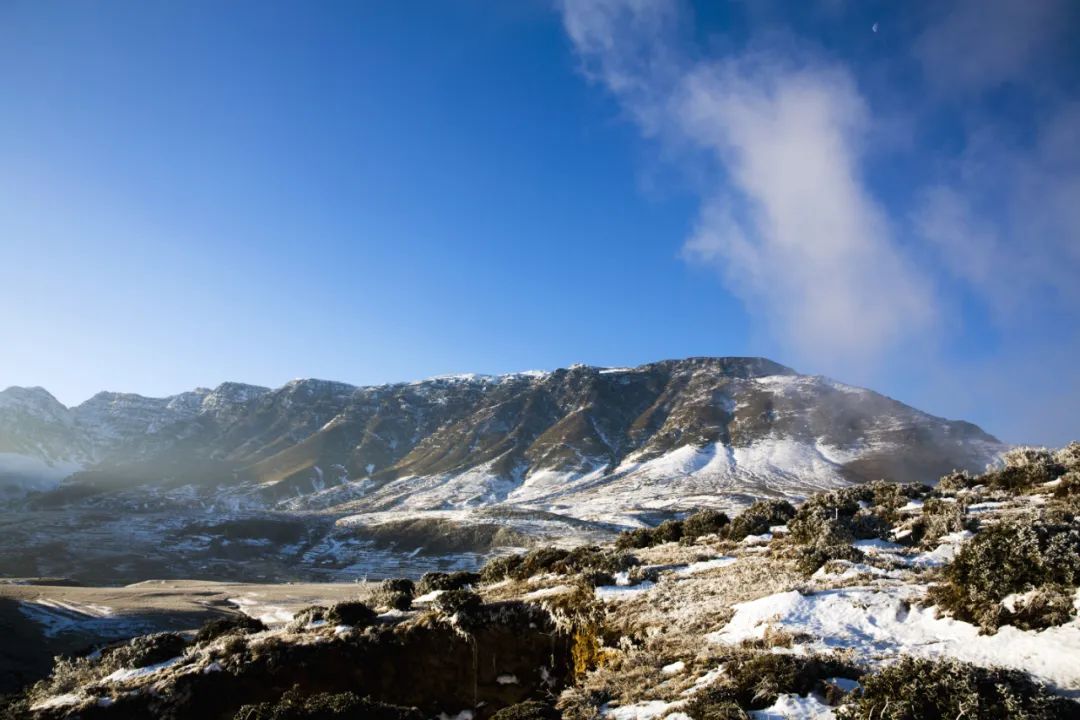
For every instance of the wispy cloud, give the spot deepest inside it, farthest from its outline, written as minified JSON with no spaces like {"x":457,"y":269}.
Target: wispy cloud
{"x":792,"y":228}
{"x":985,"y":232}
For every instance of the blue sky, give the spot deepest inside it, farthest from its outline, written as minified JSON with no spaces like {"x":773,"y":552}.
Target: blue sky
{"x":371,"y":192}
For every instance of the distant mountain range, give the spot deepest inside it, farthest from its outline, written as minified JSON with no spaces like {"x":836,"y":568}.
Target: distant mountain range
{"x":583,"y":441}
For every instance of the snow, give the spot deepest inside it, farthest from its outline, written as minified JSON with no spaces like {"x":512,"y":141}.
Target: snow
{"x":881,"y":624}
{"x":706,"y":565}
{"x":270,"y":615}
{"x":547,"y":592}
{"x":507,"y":679}
{"x":58,"y":701}
{"x":125,"y":674}
{"x":638,"y":711}
{"x":674,"y":668}
{"x":793,"y":707}
{"x":617,"y":592}
{"x":428,"y":597}
{"x":757,"y":539}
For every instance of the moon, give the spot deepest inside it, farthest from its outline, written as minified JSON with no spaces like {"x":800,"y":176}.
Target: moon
{"x":875,"y":27}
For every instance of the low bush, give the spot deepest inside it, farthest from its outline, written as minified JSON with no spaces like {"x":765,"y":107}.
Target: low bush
{"x":759,"y":517}
{"x":145,"y":650}
{"x":446,"y":581}
{"x":860,"y":512}
{"x":919,"y":689}
{"x":704,"y":522}
{"x":938,"y":519}
{"x":232,"y":625}
{"x":394,"y":594}
{"x":307,"y":616}
{"x":811,"y":557}
{"x":1006,"y":559}
{"x":754,"y":681}
{"x":351,"y":612}
{"x":697,"y":524}
{"x":587,"y":559}
{"x":528,"y":710}
{"x":294,"y":705}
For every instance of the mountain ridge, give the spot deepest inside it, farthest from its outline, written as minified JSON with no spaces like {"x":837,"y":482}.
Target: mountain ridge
{"x":736,"y":425}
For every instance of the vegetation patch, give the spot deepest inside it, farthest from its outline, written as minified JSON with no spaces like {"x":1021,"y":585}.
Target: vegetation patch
{"x":232,"y":625}
{"x":919,"y":689}
{"x":752,"y":681}
{"x":394,"y":594}
{"x":1008,"y":559}
{"x":759,"y":517}
{"x":294,"y":705}
{"x":587,"y":559}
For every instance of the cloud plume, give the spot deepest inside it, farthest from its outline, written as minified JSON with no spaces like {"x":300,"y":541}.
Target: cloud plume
{"x":791,"y":226}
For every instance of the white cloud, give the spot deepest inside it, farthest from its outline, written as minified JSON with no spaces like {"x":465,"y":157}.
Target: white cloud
{"x":793,"y":229}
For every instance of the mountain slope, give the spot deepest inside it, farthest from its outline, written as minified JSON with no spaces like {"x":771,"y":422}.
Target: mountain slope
{"x":584,"y":440}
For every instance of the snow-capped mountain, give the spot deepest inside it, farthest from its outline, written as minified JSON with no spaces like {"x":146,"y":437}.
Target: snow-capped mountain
{"x":581,"y":439}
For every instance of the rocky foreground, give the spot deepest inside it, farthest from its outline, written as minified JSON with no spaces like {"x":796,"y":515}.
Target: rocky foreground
{"x":874,"y":601}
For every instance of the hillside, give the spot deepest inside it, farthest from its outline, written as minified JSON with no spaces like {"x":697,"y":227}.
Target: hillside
{"x":903,"y":602}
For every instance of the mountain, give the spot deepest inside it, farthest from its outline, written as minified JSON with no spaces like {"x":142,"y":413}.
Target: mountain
{"x":584,"y":442}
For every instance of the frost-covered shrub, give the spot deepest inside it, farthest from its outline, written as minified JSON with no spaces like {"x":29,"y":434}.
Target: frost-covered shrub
{"x":1069,"y":457}
{"x":956,"y":481}
{"x":759,"y":517}
{"x":704,"y":522}
{"x":919,"y":689}
{"x":537,"y":562}
{"x":294,"y":705}
{"x":351,"y":612}
{"x":499,"y":568}
{"x":145,"y":650}
{"x":446,"y":581}
{"x":938,"y":519}
{"x":1025,"y":467}
{"x":697,"y":524}
{"x":1007,"y":559}
{"x":754,"y":681}
{"x":812,"y":557}
{"x":635,"y":539}
{"x":307,"y":616}
{"x":395,"y":594}
{"x":856,"y":513}
{"x":1044,"y":607}
{"x":234,"y":624}
{"x":463,"y":607}
{"x":590,"y":558}
{"x":528,"y":710}
{"x":587,"y":559}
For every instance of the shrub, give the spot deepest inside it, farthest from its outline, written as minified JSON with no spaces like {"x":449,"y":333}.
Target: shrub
{"x":938,"y":519}
{"x":446,"y":581}
{"x":394,"y":594}
{"x":1026,"y":467}
{"x":307,"y":616}
{"x":528,"y":710}
{"x":586,"y":559}
{"x":759,"y":517}
{"x":812,"y":557}
{"x":294,"y":705}
{"x":1008,"y":558}
{"x":756,"y":680}
{"x":145,"y":650}
{"x":704,"y":522}
{"x":499,"y":568}
{"x":351,"y":612}
{"x":537,"y":562}
{"x":233,"y":624}
{"x":919,"y":689}
{"x":452,"y":602}
{"x":1068,"y":457}
{"x":635,"y":539}
{"x":956,"y":481}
